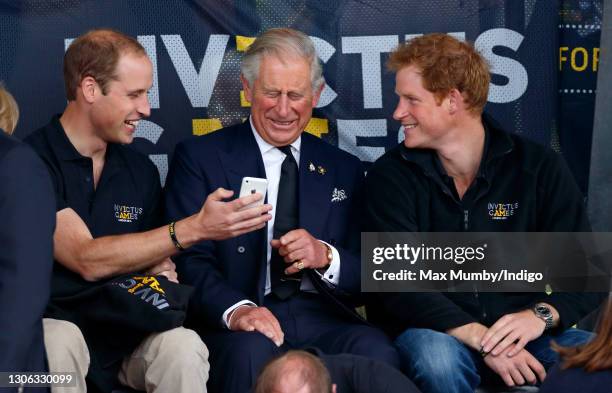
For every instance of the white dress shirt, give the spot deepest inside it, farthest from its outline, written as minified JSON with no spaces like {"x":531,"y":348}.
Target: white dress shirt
{"x":273,"y":159}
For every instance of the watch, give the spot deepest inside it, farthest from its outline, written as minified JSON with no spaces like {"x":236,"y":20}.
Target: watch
{"x":543,"y":312}
{"x":329,"y":255}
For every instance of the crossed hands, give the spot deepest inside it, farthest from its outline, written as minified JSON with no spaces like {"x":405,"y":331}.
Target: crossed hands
{"x":505,"y":342}
{"x":518,"y":369}
{"x":517,"y":328}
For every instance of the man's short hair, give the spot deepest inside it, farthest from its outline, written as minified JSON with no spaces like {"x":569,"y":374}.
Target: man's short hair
{"x":446,"y":63}
{"x":96,"y":54}
{"x":301,"y":368}
{"x":280,"y":43}
{"x":9,"y":111}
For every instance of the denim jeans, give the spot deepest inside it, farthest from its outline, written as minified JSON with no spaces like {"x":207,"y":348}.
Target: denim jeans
{"x":439,"y":363}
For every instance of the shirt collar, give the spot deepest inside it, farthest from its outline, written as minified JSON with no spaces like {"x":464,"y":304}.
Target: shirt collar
{"x":265,"y":147}
{"x":497,"y":143}
{"x":65,"y":150}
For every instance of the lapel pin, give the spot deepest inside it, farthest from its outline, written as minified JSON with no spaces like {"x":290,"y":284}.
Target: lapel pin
{"x":321,"y":170}
{"x":311,"y":167}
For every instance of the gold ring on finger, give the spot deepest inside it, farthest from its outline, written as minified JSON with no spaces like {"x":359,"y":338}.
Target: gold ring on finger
{"x":299,"y":265}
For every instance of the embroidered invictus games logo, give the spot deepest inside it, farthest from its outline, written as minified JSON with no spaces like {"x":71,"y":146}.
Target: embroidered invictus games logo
{"x":147,"y":288}
{"x":501,"y":211}
{"x":127,"y":213}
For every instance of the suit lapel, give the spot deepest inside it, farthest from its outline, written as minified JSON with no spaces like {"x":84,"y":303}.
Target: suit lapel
{"x":316,"y":183}
{"x":242,"y":158}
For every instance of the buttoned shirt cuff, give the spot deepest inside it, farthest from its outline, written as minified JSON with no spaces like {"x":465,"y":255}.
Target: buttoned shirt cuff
{"x":332,"y":274}
{"x":232,"y":308}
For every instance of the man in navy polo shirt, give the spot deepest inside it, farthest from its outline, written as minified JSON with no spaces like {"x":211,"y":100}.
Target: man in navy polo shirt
{"x":107,"y":208}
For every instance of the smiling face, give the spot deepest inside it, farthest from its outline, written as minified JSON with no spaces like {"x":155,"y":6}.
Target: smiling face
{"x":425,"y":120}
{"x":281,"y":99}
{"x":115,"y":115}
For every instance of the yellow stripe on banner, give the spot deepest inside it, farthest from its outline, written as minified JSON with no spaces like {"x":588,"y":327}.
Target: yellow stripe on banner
{"x":205,"y":126}
{"x":243,"y":101}
{"x":317,"y":127}
{"x":243,"y":43}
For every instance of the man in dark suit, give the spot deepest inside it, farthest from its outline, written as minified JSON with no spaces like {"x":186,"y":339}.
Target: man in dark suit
{"x":287,"y":287}
{"x":26,"y":240}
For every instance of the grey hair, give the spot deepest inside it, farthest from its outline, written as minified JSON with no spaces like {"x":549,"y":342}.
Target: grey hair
{"x":280,"y":42}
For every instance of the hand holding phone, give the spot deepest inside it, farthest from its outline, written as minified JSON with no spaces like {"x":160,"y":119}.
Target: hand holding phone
{"x":252,"y":185}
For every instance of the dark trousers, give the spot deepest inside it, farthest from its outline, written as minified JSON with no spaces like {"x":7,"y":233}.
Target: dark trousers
{"x":236,"y":358}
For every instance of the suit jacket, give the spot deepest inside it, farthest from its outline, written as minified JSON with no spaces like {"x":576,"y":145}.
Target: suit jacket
{"x":225,"y":272}
{"x":27,"y":208}
{"x":359,"y":374}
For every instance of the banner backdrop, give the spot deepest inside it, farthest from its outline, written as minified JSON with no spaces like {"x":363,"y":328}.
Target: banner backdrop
{"x":600,"y":186}
{"x":579,"y":60}
{"x":196,"y":48}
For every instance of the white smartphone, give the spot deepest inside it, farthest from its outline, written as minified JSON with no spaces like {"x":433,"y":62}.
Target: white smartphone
{"x":252,"y":185}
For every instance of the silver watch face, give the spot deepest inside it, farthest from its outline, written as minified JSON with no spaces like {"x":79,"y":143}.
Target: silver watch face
{"x":543,"y":310}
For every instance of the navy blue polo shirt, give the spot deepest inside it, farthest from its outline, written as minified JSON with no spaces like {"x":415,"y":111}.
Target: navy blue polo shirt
{"x":126,"y":200}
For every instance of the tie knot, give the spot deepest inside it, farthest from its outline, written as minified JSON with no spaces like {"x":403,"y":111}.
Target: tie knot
{"x":286,"y":149}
